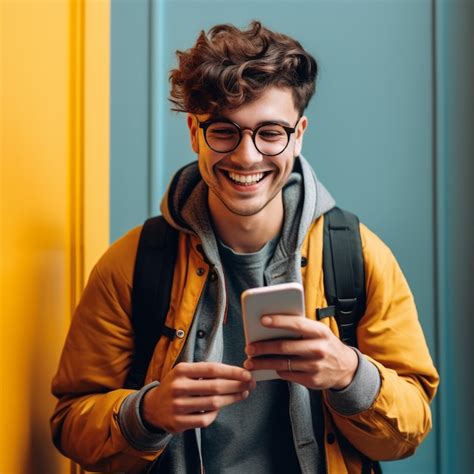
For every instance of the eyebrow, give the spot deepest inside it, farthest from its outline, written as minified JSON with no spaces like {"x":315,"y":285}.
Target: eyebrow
{"x":263,"y":122}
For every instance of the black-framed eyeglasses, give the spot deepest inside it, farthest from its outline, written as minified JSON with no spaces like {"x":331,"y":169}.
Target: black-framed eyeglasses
{"x":223,"y":136}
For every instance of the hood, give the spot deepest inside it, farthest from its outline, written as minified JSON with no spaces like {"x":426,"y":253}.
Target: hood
{"x":305,"y":199}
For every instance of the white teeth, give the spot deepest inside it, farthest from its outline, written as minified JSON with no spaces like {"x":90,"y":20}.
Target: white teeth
{"x":247,"y":179}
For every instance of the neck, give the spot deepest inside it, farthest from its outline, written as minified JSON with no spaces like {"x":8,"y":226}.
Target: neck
{"x":247,"y":234}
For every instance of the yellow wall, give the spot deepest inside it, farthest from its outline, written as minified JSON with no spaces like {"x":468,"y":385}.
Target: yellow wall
{"x":54,"y":114}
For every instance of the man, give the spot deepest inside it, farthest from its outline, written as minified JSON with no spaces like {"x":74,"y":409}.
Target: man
{"x":248,"y":212}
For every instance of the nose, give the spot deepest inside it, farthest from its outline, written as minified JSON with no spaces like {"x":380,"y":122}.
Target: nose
{"x":246,"y":155}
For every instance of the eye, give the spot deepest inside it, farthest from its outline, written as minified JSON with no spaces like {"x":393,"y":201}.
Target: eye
{"x":222,"y":131}
{"x":271,"y":133}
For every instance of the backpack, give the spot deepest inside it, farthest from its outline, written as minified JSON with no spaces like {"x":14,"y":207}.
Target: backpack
{"x":344,"y":283}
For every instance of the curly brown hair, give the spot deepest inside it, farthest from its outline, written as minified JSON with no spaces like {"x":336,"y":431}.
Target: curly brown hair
{"x":228,"y":67}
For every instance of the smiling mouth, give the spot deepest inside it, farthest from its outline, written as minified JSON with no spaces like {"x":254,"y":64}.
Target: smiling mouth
{"x":245,"y":179}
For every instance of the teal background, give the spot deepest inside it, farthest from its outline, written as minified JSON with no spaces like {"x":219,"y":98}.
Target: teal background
{"x":390,"y":134}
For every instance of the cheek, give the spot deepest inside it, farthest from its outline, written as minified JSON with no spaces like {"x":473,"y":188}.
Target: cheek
{"x":206,"y":165}
{"x":286,"y":165}
{"x":202,"y":166}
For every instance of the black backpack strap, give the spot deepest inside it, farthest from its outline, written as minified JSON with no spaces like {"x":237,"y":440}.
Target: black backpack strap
{"x":370,"y":467}
{"x":344,"y":284}
{"x":151,"y":294}
{"x":344,"y":276}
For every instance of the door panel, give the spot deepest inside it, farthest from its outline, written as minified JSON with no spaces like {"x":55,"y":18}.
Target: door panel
{"x":54,"y":187}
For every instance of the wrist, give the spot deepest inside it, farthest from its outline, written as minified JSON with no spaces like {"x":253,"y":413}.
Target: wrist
{"x":144,"y":411}
{"x":362,"y":391}
{"x":132,"y":427}
{"x":350,"y":368}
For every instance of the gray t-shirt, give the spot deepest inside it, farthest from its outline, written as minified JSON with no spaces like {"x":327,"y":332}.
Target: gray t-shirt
{"x":254,"y":435}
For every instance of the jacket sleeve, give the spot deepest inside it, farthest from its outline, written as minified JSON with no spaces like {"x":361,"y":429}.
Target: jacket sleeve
{"x":93,"y":366}
{"x":390,"y":336}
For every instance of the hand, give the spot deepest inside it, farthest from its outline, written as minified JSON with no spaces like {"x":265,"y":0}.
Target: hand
{"x":191,"y":395}
{"x":318,"y":360}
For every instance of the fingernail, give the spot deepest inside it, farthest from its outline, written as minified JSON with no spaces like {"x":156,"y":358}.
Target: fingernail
{"x":248,"y":364}
{"x":267,"y":320}
{"x":246,"y":375}
{"x":245,"y":394}
{"x":250,"y":350}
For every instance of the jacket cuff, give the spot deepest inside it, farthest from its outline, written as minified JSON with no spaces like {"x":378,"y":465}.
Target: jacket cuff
{"x":360,"y":394}
{"x":133,"y":427}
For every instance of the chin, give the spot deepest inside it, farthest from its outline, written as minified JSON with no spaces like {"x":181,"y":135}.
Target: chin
{"x":245,"y":211}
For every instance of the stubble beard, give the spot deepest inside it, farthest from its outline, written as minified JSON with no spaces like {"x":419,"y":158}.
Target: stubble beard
{"x":250,"y":212}
{"x":253,"y":212}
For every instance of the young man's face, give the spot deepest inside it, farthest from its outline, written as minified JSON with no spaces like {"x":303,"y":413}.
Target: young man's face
{"x":244,"y":181}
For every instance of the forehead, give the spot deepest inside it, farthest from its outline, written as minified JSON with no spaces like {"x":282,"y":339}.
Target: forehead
{"x":273,"y":104}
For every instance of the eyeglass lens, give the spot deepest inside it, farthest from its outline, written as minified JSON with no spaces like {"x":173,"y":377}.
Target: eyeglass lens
{"x":269,"y":139}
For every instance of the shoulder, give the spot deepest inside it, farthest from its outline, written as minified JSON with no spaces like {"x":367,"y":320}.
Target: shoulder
{"x":105,"y":303}
{"x":372,"y":244}
{"x":117,"y":264}
{"x":374,"y":249}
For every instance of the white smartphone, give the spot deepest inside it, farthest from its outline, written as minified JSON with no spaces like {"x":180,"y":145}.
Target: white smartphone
{"x":286,"y":298}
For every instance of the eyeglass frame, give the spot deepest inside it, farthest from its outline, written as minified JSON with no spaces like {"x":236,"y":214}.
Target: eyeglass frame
{"x":207,"y":123}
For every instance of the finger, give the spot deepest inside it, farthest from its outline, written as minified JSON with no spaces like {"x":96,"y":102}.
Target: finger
{"x":302,"y":326}
{"x":196,"y":420}
{"x":296,"y":347}
{"x":279,"y":364}
{"x":304,"y":378}
{"x":196,"y":405}
{"x":212,"y":370}
{"x":206,"y":387}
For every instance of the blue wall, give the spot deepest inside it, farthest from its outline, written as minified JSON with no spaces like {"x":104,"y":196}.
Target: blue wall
{"x":389,"y":136}
{"x":129,"y":114}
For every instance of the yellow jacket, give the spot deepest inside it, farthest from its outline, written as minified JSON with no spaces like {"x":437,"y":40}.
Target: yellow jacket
{"x":98,"y":351}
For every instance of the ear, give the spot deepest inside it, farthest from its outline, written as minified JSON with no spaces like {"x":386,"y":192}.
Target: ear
{"x":193,"y":132}
{"x":299,"y":132}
